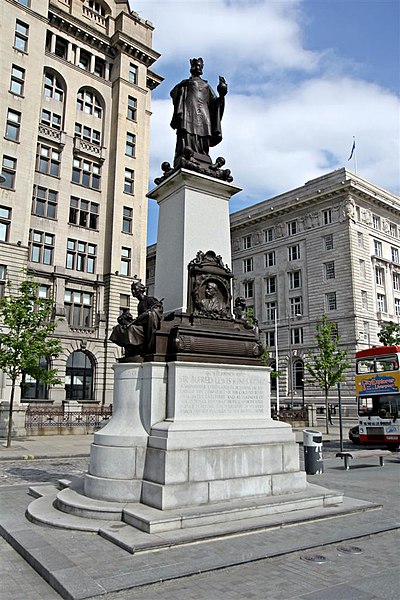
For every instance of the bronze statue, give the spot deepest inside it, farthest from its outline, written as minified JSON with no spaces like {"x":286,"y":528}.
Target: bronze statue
{"x":197,"y":114}
{"x":138,"y":336}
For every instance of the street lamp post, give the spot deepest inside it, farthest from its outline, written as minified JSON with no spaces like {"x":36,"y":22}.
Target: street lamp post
{"x":297,"y":315}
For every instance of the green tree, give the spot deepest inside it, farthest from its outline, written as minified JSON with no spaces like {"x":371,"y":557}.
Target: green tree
{"x":24,"y":338}
{"x":328,"y":364}
{"x":389,"y":334}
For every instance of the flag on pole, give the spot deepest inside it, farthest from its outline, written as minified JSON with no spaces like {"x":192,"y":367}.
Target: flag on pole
{"x":352,"y":148}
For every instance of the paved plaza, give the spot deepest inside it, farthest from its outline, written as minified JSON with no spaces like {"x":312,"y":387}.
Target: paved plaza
{"x":266,"y":564}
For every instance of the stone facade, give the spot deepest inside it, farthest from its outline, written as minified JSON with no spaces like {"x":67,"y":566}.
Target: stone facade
{"x":332,"y":245}
{"x":75,"y":96}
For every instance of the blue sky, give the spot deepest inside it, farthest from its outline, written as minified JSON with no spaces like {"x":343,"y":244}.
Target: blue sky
{"x":304,"y":77}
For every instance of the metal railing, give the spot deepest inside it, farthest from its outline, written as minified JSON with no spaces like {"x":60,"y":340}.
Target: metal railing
{"x":59,"y":418}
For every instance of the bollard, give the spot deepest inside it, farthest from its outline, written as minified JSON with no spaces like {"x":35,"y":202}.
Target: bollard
{"x":312,"y":444}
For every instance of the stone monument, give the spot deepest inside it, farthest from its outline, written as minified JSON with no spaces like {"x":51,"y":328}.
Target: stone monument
{"x":191,"y":442}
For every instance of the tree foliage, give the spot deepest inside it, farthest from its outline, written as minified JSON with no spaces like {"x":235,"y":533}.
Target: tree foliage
{"x":327,"y":366}
{"x":24,"y":338}
{"x":389,"y":334}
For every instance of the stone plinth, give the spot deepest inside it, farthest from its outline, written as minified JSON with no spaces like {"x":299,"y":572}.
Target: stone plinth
{"x":194,"y":215}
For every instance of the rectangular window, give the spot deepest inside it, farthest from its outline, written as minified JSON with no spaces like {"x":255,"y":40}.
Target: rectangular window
{"x":364,"y":299}
{"x":296,"y":335}
{"x":88,"y":134}
{"x":61,"y":47}
{"x":127,"y":219}
{"x":3,"y":279}
{"x":125,"y":268}
{"x":395,"y":255}
{"x":99,"y":67}
{"x":83,"y":213}
{"x":379,"y":276}
{"x":41,"y":247}
{"x":9,"y":172}
{"x":129,"y":181}
{"x":248,"y":289}
{"x":397,"y":307}
{"x":360,"y":239}
{"x":292,"y":228}
{"x":86,"y":173}
{"x":270,"y":285}
{"x":270,"y":311}
{"x":78,"y":308}
{"x":296,"y":306}
{"x":130,"y":145}
{"x":270,"y":259}
{"x":327,"y":216}
{"x":329,"y":268}
{"x":81,"y":256}
{"x":269,"y":235}
{"x":393,"y":230}
{"x":246,"y":242}
{"x":377,"y":248}
{"x":381,"y":302}
{"x":5,"y":221}
{"x":247,"y":265}
{"x":270,"y":339}
{"x":294,"y":280}
{"x":84,"y":60}
{"x":13,"y":125}
{"x":133,"y":73}
{"x":294,"y":252}
{"x":396,"y":281}
{"x":21,"y":36}
{"x":362,"y":268}
{"x":330,"y":301}
{"x":124,"y":303}
{"x":328,"y":242}
{"x":48,"y":160}
{"x":50,"y":119}
{"x":17,"y":80}
{"x":132,"y":108}
{"x":44,"y":202}
{"x":376,"y":222}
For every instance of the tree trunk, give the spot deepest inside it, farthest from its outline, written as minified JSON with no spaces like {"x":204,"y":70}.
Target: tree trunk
{"x":10,"y":414}
{"x":326,"y":412}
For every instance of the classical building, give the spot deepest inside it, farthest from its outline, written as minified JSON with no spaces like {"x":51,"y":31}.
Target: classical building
{"x":332,"y":246}
{"x":76,"y":85}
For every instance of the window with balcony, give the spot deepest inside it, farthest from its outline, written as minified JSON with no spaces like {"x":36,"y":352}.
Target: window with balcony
{"x":129,"y":181}
{"x":78,"y":308}
{"x":294,"y":280}
{"x":125,"y":265}
{"x":294,"y":252}
{"x":330,"y":301}
{"x":17,"y":81}
{"x":127,"y":219}
{"x":88,"y":134}
{"x":9,"y":172}
{"x":44,"y":202}
{"x":132,"y":108}
{"x":130,"y":145}
{"x":48,"y":160}
{"x":83,"y":213}
{"x":329,"y":269}
{"x":81,"y":256}
{"x":270,"y":285}
{"x":86,"y":173}
{"x":5,"y":222}
{"x":41,"y":247}
{"x":270,"y":259}
{"x":247,"y":265}
{"x":51,"y":119}
{"x":21,"y":36}
{"x":13,"y":125}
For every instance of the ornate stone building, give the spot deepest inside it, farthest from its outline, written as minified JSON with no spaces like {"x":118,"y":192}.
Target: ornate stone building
{"x":332,"y":245}
{"x":76,"y":85}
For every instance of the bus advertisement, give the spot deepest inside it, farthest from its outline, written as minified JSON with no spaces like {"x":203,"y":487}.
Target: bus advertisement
{"x":378,"y":395}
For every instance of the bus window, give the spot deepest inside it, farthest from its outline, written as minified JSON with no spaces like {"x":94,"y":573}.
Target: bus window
{"x":365,"y":406}
{"x":388,"y":363}
{"x":365,"y":366}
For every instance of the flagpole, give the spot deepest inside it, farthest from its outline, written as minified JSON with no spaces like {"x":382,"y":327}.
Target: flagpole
{"x":355,"y":156}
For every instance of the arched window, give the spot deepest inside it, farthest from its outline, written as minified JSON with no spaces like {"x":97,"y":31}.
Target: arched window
{"x":31,"y":388}
{"x":298,"y":374}
{"x":79,"y":376}
{"x":89,"y":103}
{"x":53,"y":87}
